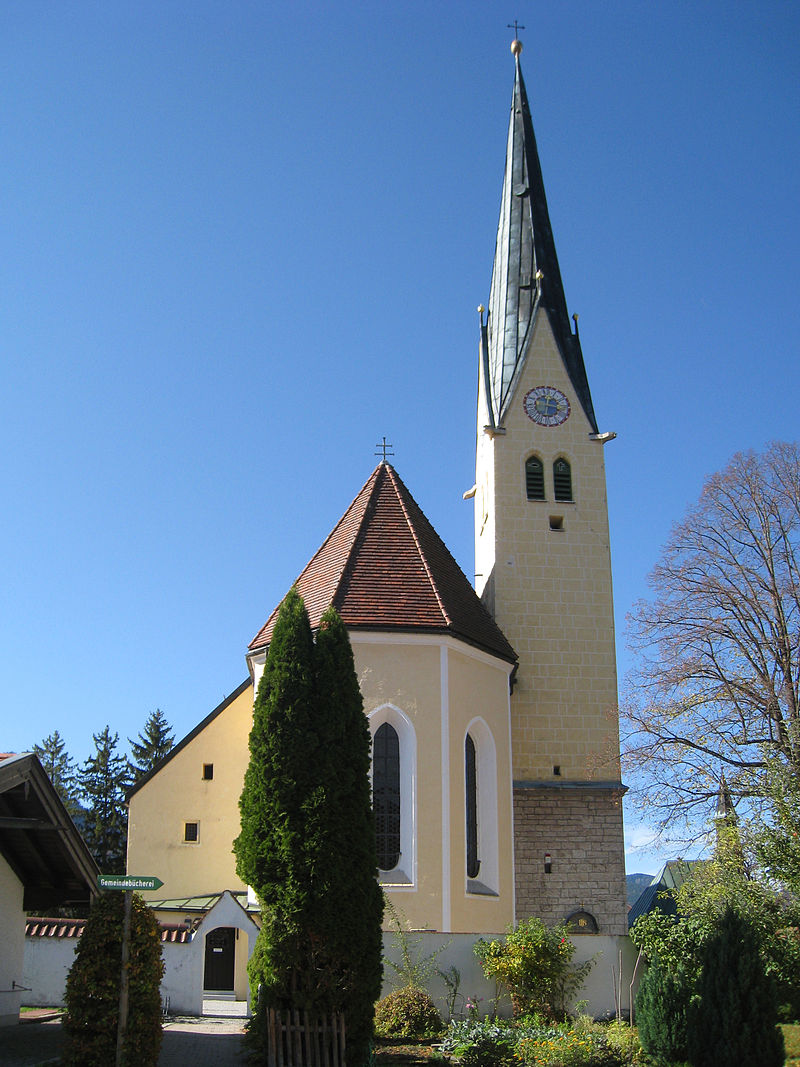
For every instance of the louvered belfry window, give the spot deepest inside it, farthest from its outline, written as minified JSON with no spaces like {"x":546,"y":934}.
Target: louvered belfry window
{"x":386,"y":795}
{"x":534,"y":478}
{"x":473,"y":863}
{"x":562,"y":480}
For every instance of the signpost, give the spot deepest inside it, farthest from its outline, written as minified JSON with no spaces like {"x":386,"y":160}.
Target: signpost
{"x":127,"y":883}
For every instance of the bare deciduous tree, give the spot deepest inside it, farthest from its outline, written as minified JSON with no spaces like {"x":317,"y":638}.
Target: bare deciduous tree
{"x":717,"y":684}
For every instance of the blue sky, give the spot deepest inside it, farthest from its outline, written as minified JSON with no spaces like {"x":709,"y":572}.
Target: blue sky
{"x":241,"y":242}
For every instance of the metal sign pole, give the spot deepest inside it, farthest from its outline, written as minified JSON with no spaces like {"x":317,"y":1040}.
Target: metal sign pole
{"x":122,"y":1024}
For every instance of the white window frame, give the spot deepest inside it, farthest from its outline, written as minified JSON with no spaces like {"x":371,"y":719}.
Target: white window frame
{"x":488,"y":880}
{"x":404,"y":875}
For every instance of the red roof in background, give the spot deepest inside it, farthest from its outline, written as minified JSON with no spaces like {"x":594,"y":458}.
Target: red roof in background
{"x":179,"y":933}
{"x":384,"y":567}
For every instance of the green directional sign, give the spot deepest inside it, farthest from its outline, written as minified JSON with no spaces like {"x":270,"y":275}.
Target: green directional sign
{"x":128,"y":881}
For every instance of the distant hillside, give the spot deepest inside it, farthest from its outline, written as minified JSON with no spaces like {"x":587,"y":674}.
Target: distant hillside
{"x":636,"y":883}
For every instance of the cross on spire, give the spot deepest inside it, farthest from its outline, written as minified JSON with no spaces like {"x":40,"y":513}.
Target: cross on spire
{"x":515,"y":26}
{"x":384,"y":449}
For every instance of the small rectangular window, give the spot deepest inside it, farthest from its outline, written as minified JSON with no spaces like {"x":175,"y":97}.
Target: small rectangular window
{"x":191,"y":831}
{"x":556,"y":522}
{"x":208,"y":771}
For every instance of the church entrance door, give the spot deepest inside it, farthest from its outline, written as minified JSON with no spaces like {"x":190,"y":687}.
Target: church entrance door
{"x":220,"y":953}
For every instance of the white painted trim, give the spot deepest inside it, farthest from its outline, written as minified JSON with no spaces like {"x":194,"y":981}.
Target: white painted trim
{"x":488,"y":815}
{"x":406,"y":870}
{"x":371,"y":637}
{"x":512,"y":873}
{"x":445,"y":742}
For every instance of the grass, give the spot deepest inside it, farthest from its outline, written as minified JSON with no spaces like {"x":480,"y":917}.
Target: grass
{"x":791,"y":1037}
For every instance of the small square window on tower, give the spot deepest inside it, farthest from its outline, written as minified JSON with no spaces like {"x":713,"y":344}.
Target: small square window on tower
{"x":208,"y":772}
{"x":191,"y":832}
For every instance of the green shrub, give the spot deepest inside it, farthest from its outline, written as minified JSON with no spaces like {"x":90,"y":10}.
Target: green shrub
{"x":530,"y":1040}
{"x":733,"y":1019}
{"x":534,"y":964}
{"x":568,"y":1048}
{"x":92,"y":990}
{"x":463,"y":1034}
{"x":407,"y":1012}
{"x":624,"y":1039}
{"x":662,"y":1003}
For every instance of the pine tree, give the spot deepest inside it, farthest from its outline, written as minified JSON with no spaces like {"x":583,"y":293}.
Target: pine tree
{"x":103,"y":780}
{"x":153,"y":743}
{"x":307,"y":842}
{"x":346,"y":858}
{"x":61,"y":770}
{"x":734,"y":1019}
{"x":662,"y":1002}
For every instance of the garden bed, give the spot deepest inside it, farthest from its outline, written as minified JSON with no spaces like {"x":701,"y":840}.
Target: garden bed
{"x":405,"y":1052}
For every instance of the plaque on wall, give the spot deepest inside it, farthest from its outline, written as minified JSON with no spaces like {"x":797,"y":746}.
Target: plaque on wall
{"x":582,"y":922}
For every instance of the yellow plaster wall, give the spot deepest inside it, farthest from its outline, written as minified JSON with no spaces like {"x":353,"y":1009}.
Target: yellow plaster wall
{"x":408,"y":677}
{"x":478,"y":687}
{"x":551,"y":589}
{"x":411,"y":674}
{"x":178,"y":794}
{"x":424,"y":679}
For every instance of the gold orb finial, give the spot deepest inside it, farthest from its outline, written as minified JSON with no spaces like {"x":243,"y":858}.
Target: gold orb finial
{"x":516,"y":47}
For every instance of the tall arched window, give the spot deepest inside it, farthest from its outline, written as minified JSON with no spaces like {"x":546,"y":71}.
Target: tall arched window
{"x":480,"y":794}
{"x":386,"y":795}
{"x":534,"y":478}
{"x":562,"y":479}
{"x":471,"y":781}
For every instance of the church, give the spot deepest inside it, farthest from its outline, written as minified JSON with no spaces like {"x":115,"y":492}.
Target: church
{"x":493,"y":709}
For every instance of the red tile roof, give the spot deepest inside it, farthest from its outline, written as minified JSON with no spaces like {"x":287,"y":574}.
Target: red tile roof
{"x":384,"y":567}
{"x":179,"y":933}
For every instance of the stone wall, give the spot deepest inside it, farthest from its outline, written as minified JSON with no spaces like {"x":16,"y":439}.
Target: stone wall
{"x":580,"y":827}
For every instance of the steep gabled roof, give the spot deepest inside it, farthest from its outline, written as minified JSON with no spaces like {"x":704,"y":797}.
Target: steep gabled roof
{"x":384,"y":567}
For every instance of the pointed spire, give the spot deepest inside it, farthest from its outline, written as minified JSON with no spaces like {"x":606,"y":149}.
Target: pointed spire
{"x":724,"y":809}
{"x":525,"y":276}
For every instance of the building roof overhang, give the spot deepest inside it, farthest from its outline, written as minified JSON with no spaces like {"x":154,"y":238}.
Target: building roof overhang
{"x":39,"y":840}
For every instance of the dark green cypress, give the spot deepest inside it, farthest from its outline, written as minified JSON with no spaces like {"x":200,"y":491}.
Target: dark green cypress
{"x":346,"y":860}
{"x":662,"y":1003}
{"x":307,"y":841}
{"x":276,"y":820}
{"x":734,"y":1018}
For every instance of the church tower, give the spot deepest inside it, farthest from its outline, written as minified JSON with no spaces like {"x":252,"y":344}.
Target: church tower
{"x":543,"y":565}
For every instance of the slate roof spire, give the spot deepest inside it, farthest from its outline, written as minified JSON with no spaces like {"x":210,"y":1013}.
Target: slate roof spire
{"x":525,"y":277}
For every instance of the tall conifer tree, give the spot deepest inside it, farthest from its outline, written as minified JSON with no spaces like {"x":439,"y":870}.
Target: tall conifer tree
{"x":104,"y":779}
{"x":276,"y":805}
{"x":153,"y":743}
{"x":60,"y":769}
{"x":734,"y":1018}
{"x":307,"y":843}
{"x":348,"y":859}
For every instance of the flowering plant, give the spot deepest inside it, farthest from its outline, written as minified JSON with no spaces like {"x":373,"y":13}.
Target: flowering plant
{"x":533,"y":963}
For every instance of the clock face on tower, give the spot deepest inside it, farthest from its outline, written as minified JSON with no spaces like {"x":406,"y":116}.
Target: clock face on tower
{"x":546,"y":405}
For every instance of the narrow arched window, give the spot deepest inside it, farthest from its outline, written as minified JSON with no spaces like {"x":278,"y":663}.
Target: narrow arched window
{"x":562,"y":480}
{"x":471,"y":778}
{"x":386,"y":795}
{"x":534,"y":478}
